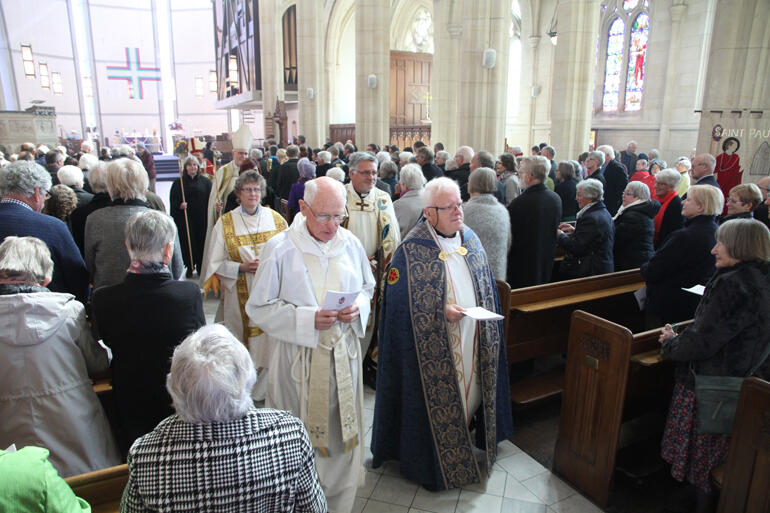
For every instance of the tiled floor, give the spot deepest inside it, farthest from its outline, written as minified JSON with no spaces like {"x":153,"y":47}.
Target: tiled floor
{"x":517,"y":483}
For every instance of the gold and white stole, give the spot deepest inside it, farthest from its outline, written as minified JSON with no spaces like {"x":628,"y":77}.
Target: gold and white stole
{"x":331,"y":344}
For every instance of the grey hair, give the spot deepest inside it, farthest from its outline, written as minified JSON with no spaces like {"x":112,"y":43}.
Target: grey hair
{"x":668,"y":176}
{"x":211,"y":377}
{"x":311,"y":190}
{"x":550,"y":150}
{"x":389,"y":169}
{"x":405,"y":156}
{"x":444,"y":155}
{"x":566,"y":170}
{"x":483,"y":180}
{"x":325,"y":157}
{"x":607,"y":150}
{"x":426,"y":153}
{"x":435,"y":188}
{"x":685,"y":163}
{"x":292,"y":151}
{"x":127,"y":179}
{"x":597,"y":156}
{"x":383,"y":156}
{"x":250,"y":176}
{"x":22,"y":177}
{"x":747,"y":240}
{"x":485,"y":159}
{"x":466,"y":152}
{"x":710,"y":160}
{"x":255,"y":154}
{"x":70,"y":175}
{"x":358,"y":157}
{"x":25,"y":259}
{"x":97,"y":177}
{"x":577,"y":167}
{"x":336,"y":173}
{"x":124,"y":150}
{"x":592,"y":189}
{"x":411,"y":176}
{"x":630,"y":143}
{"x":147,"y":234}
{"x":535,"y":165}
{"x":87,"y":161}
{"x":639,"y":190}
{"x":191,"y":159}
{"x":654,"y":154}
{"x":87,"y":145}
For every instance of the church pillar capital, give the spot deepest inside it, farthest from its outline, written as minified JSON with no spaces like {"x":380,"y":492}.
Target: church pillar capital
{"x":677,"y":11}
{"x":455,"y":30}
{"x":533,"y":41}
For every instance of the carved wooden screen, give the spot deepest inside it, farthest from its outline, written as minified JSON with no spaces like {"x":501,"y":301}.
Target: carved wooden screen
{"x":410,"y":88}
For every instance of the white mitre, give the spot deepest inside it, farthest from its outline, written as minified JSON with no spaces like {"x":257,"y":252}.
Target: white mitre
{"x":242,"y":138}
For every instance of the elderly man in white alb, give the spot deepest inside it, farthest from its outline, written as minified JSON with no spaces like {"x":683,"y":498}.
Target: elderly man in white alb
{"x":315,"y":366}
{"x":232,"y":258}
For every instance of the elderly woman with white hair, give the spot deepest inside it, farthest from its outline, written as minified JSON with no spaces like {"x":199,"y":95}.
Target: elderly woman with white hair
{"x":408,"y":207}
{"x":101,"y":199}
{"x":253,"y":460}
{"x":489,"y":219}
{"x":72,"y":177}
{"x":167,"y":311}
{"x":669,"y":217}
{"x":684,"y":259}
{"x":588,"y":245}
{"x":634,"y":227}
{"x":46,"y":397}
{"x":105,"y":252}
{"x":683,"y":166}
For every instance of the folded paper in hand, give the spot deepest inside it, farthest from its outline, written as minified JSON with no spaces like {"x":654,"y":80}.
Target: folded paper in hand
{"x":482,"y":314}
{"x":335,"y":300}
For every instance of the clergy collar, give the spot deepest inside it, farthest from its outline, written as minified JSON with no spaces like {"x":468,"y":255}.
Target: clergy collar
{"x":445,"y":236}
{"x":243,"y":211}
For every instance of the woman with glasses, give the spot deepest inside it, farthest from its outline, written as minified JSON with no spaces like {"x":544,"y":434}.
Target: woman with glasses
{"x":195,"y":201}
{"x":232,"y":258}
{"x":742,"y":201}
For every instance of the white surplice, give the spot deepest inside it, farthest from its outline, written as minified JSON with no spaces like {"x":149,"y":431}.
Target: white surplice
{"x":283,"y":304}
{"x":252,"y":232}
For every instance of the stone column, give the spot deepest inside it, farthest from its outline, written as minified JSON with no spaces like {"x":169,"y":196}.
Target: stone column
{"x":372,"y":58}
{"x":573,"y":75}
{"x":310,"y":60}
{"x":271,"y":53}
{"x":444,"y":83}
{"x":677,"y":10}
{"x":737,"y":92}
{"x":482,"y":91}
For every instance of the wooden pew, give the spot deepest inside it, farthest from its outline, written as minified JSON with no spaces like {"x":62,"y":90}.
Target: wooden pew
{"x":102,"y":489}
{"x":612,"y":375}
{"x":539,"y":320}
{"x":102,"y":382}
{"x":746,"y":486}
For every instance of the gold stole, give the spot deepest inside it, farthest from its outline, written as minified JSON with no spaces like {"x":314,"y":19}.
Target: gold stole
{"x":232,"y":243}
{"x":330,"y":341}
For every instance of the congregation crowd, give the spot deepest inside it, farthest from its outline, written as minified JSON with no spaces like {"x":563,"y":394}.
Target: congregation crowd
{"x":339,"y":267}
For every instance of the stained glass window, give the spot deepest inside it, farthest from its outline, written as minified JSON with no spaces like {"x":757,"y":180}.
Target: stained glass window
{"x":637,"y":57}
{"x":421,"y":36}
{"x":613,"y":64}
{"x":629,"y":4}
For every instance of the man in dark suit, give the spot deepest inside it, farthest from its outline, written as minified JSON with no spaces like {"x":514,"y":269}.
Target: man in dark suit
{"x":535,"y":216}
{"x":289,"y":174}
{"x":142,"y":320}
{"x":628,"y":157}
{"x":24,"y":185}
{"x":463,"y":157}
{"x":702,"y":171}
{"x":425,"y":159}
{"x":616,"y":179}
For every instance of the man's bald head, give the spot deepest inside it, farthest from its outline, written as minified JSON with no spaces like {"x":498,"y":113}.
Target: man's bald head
{"x":323,"y":206}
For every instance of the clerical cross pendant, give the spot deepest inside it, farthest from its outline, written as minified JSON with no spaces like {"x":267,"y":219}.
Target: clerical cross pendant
{"x":361,"y":204}
{"x":444,"y":256}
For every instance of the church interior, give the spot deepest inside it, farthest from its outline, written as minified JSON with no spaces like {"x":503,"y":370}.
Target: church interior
{"x":678,"y":78}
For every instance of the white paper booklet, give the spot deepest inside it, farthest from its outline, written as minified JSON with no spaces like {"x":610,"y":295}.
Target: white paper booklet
{"x":339,"y":300}
{"x":482,"y":314}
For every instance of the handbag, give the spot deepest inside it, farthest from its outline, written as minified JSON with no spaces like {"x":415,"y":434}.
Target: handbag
{"x":716,"y":399}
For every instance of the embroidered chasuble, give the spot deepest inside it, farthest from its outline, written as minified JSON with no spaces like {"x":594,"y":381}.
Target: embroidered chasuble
{"x":222,"y":184}
{"x":434,"y":376}
{"x":238,"y":237}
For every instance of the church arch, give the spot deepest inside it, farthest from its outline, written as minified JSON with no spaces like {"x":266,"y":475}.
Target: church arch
{"x":405,"y":14}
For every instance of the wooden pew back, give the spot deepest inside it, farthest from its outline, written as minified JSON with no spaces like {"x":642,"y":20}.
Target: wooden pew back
{"x":102,"y":489}
{"x":611,"y":376}
{"x":746,"y":486}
